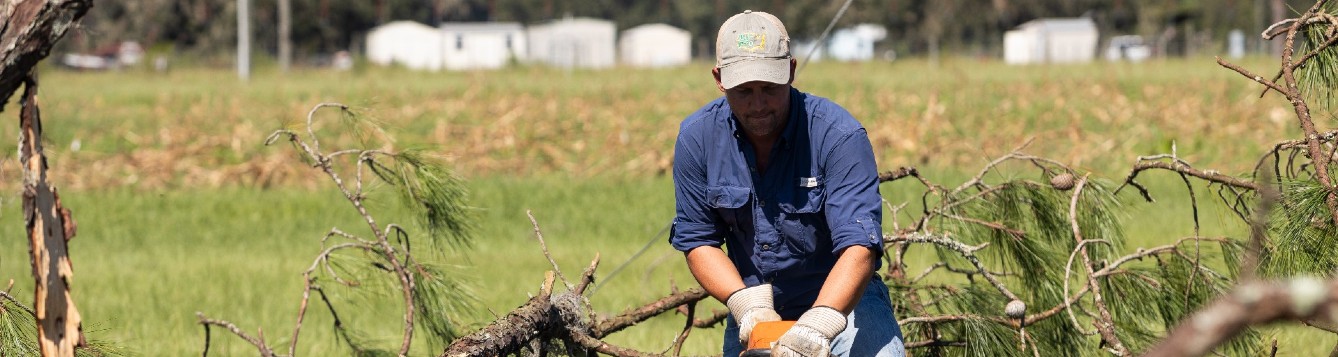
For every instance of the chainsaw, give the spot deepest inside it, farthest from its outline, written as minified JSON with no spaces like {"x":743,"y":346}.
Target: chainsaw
{"x":764,"y":335}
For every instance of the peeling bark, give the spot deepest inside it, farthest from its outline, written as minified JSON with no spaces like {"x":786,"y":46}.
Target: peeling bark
{"x":30,"y":29}
{"x":50,"y":226}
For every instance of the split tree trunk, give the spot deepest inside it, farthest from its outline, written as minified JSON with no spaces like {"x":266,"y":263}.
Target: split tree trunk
{"x":31,"y":28}
{"x":50,"y":227}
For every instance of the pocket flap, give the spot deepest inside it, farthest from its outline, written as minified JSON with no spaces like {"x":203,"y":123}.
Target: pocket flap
{"x":728,"y":196}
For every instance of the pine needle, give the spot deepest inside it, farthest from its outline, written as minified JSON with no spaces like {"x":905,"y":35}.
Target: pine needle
{"x":435,"y":195}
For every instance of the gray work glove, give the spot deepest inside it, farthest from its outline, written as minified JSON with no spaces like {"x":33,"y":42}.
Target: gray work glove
{"x":812,"y":335}
{"x":751,"y":306}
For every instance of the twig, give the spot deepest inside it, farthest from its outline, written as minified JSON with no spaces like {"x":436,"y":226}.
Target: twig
{"x":205,"y":353}
{"x":1179,"y":166}
{"x":1068,"y":269}
{"x":1250,"y":303}
{"x":1106,"y":325}
{"x":5,"y":294}
{"x":1254,"y":77}
{"x":587,"y":276}
{"x":255,"y":341}
{"x":631,"y":317}
{"x":687,"y":328}
{"x":542,"y":245}
{"x":967,"y":251}
{"x":899,"y":173}
{"x":945,"y":266}
{"x":975,"y":180}
{"x":716,"y":318}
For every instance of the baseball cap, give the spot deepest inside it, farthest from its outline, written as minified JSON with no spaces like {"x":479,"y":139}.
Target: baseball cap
{"x":752,"y":46}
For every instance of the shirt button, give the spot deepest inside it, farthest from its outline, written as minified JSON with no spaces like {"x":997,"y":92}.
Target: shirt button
{"x":766,"y":247}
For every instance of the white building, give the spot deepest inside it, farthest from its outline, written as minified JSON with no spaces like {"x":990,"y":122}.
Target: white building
{"x":573,"y":43}
{"x":855,"y":43}
{"x":655,"y":45}
{"x":406,"y":43}
{"x":1051,"y":41}
{"x":482,"y":45}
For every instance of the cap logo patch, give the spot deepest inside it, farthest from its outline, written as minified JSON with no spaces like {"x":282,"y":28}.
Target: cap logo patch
{"x":752,"y":41}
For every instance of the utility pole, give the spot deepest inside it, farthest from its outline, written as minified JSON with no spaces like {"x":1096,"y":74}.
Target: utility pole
{"x":244,"y":39}
{"x":285,"y":35}
{"x":1279,"y":14}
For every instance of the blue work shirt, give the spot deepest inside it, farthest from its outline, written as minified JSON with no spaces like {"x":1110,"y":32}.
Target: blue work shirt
{"x":785,"y":225}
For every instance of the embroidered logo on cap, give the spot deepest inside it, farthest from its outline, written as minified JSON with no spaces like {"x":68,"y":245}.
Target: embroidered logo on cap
{"x":752,"y":41}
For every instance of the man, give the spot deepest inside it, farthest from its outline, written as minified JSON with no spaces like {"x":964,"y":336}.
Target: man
{"x":788,"y":183}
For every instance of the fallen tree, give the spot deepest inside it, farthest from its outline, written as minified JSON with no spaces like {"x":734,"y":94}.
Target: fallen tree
{"x":993,"y":285}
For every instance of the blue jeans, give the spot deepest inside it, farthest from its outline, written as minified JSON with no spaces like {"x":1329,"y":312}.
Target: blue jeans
{"x":871,"y":330}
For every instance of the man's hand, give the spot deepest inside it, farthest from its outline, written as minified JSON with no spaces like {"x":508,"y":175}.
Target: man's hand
{"x":812,"y":335}
{"x":751,"y":306}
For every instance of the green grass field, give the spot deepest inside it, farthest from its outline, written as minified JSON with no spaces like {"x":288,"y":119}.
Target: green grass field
{"x":181,"y":209}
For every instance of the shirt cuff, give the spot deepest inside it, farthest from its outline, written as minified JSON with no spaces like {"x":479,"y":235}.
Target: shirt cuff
{"x":687,"y":236}
{"x":862,"y":231}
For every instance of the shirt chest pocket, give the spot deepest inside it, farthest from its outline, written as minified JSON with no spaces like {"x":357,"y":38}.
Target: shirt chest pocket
{"x":731,"y":203}
{"x":803,"y":224}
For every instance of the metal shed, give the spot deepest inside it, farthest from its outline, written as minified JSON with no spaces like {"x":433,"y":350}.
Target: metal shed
{"x":573,"y":43}
{"x":1063,"y":40}
{"x":407,"y":43}
{"x":655,"y":45}
{"x":482,"y":45}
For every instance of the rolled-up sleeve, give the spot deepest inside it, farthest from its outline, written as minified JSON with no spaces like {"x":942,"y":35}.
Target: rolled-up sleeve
{"x":695,"y":223}
{"x":853,"y":206}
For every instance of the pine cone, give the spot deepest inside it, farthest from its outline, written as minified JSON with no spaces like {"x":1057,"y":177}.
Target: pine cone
{"x":1062,"y":182}
{"x":1015,"y":309}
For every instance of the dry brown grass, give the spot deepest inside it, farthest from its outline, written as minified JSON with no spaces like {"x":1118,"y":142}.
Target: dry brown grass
{"x":200,"y":128}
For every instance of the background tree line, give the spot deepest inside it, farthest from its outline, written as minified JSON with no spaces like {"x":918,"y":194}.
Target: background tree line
{"x":915,"y":27}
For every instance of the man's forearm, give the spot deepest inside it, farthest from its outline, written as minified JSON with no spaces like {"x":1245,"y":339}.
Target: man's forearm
{"x":846,"y":283}
{"x":714,"y":271}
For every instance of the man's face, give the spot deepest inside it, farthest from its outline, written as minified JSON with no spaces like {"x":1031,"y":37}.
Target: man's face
{"x":760,"y":106}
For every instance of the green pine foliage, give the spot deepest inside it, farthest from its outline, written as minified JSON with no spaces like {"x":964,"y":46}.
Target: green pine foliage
{"x":432,"y":193}
{"x":1298,"y":230}
{"x":18,"y":331}
{"x":1026,"y":236}
{"x":440,"y":299}
{"x":1318,"y":78}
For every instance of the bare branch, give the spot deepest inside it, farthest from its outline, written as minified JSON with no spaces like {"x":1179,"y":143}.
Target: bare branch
{"x":1106,"y":325}
{"x":6,"y":296}
{"x":258,"y":342}
{"x":1250,"y":303}
{"x":631,"y":317}
{"x":538,"y":234}
{"x":967,"y":251}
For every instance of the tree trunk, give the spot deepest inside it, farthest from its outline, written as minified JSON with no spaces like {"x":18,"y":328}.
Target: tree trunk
{"x":50,"y":227}
{"x":32,"y":27}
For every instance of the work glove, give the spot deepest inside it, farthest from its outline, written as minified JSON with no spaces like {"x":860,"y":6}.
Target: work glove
{"x":812,"y":335}
{"x":751,"y":306}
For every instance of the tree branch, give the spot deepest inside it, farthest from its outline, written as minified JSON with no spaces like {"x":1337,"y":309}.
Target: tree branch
{"x":258,"y":342}
{"x":1250,"y":303}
